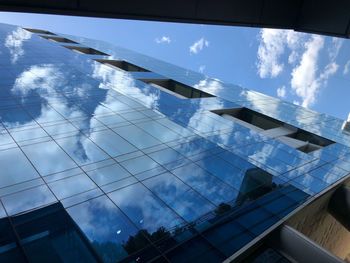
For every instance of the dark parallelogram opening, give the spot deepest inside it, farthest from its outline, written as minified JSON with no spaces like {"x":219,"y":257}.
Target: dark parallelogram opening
{"x":121,"y":64}
{"x":297,"y":138}
{"x":177,"y":89}
{"x":59,"y":39}
{"x":39,"y":31}
{"x":86,"y":50}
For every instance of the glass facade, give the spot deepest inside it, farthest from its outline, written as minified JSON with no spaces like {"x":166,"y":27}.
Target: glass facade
{"x":100,"y":166}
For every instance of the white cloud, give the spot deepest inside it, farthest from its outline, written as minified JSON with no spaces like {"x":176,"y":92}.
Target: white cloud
{"x":306,"y":79}
{"x":163,"y":39}
{"x":263,"y":154}
{"x":346,"y":68}
{"x":42,"y":77}
{"x":200,"y":121}
{"x":123,"y":83}
{"x":201,"y":68}
{"x":209,"y":85}
{"x":293,"y":57}
{"x":14,"y":42}
{"x":47,"y":79}
{"x":273,"y":43}
{"x":281,"y":92}
{"x":328,"y":71}
{"x":198,"y":45}
{"x":293,"y":38}
{"x":302,"y":51}
{"x":270,"y":49}
{"x":335,"y":48}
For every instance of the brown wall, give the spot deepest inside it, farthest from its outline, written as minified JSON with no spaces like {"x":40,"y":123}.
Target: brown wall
{"x":316,"y":223}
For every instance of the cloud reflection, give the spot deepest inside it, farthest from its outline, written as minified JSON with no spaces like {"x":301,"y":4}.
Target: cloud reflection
{"x":123,"y":82}
{"x":14,"y":42}
{"x":45,"y":83}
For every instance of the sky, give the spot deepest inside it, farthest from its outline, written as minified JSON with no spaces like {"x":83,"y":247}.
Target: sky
{"x":310,"y":70}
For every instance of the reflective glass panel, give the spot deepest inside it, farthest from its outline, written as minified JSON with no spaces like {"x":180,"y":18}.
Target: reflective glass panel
{"x":17,"y":172}
{"x":150,"y":214}
{"x":30,"y":199}
{"x":139,"y":164}
{"x":206,"y":184}
{"x":109,"y":231}
{"x":179,"y":196}
{"x":48,"y":157}
{"x":108,"y":174}
{"x":72,"y":185}
{"x":111,"y":143}
{"x":82,"y":150}
{"x":137,"y":137}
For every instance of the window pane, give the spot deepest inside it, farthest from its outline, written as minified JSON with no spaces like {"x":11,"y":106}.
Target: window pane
{"x":223,"y":170}
{"x":30,"y":199}
{"x":72,"y":185}
{"x":108,"y":174}
{"x":111,"y":143}
{"x":186,"y":202}
{"x":136,"y":136}
{"x":205,"y":184}
{"x":166,"y":156}
{"x":150,"y":214}
{"x":139,"y":164}
{"x":109,"y":231}
{"x":17,"y":172}
{"x":48,"y":158}
{"x":82,"y":150}
{"x":159,"y":131}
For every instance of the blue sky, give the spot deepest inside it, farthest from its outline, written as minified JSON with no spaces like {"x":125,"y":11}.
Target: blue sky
{"x":310,"y":70}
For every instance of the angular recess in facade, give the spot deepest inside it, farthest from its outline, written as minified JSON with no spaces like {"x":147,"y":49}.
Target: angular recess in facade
{"x":294,"y":137}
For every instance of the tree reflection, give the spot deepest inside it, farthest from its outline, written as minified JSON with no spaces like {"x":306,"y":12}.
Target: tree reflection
{"x":109,"y":251}
{"x":140,"y":240}
{"x":222,"y":209}
{"x":137,"y":246}
{"x":145,"y":244}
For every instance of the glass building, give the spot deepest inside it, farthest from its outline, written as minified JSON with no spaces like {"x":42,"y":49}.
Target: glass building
{"x":107,"y":155}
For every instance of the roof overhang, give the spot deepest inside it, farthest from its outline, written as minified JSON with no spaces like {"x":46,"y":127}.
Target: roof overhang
{"x":315,"y":16}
